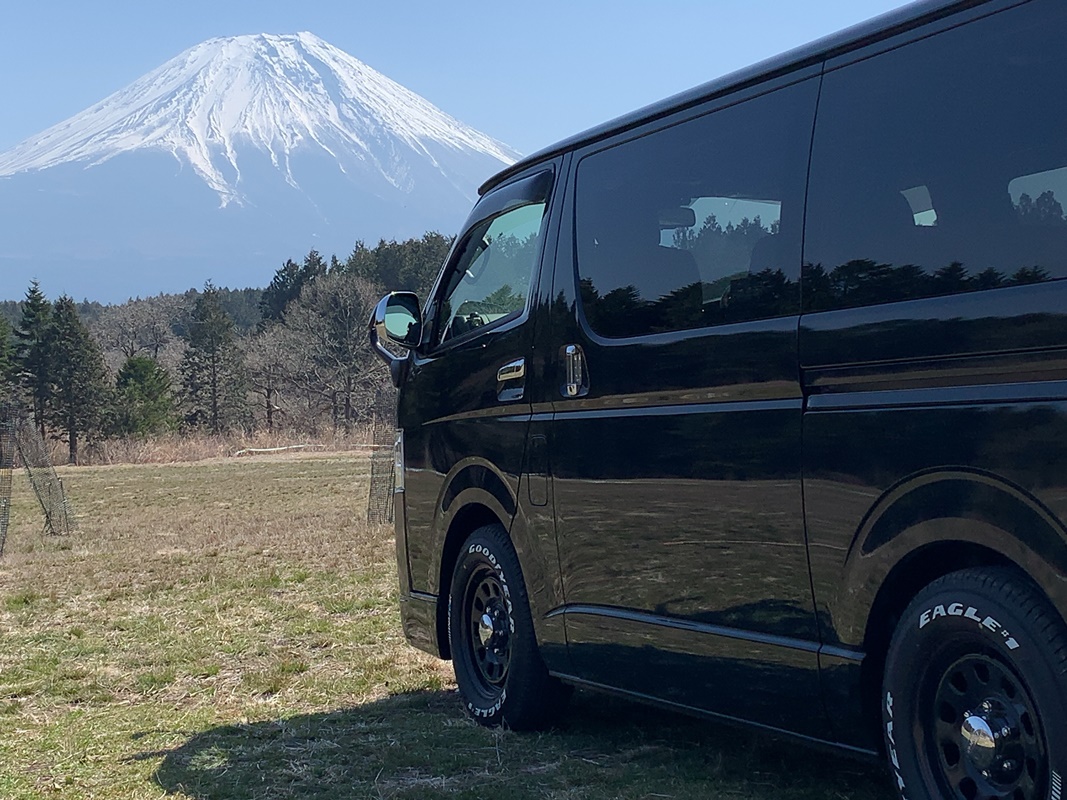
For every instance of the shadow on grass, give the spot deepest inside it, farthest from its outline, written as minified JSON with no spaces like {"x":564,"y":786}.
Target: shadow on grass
{"x":420,"y":746}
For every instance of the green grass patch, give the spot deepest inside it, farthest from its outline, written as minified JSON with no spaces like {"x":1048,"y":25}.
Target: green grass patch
{"x":21,"y":600}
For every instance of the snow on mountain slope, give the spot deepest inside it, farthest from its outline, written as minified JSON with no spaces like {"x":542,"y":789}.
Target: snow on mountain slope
{"x":275,"y":93}
{"x":228,"y":159}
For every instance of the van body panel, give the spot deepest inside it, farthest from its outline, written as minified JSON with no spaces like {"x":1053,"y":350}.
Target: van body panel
{"x":885,"y":346}
{"x":686,"y":663}
{"x":704,"y":526}
{"x":418,"y":619}
{"x":966,"y":397}
{"x":533,"y":533}
{"x":438,"y":486}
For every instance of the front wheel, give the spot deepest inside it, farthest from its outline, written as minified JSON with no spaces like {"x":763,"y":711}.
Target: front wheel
{"x":501,"y":676}
{"x":975,"y":692}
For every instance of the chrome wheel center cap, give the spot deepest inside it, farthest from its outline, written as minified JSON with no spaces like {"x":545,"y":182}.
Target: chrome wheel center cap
{"x":979,"y":743}
{"x":485,"y":629}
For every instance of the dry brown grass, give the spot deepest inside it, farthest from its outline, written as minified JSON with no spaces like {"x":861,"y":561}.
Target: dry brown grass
{"x":229,"y":629}
{"x":189,"y":447}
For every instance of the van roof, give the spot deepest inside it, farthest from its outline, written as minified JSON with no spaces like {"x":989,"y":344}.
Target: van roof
{"x":873,"y":30}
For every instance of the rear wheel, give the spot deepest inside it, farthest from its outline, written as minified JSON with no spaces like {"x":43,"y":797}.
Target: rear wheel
{"x":975,"y":692}
{"x":501,"y":676}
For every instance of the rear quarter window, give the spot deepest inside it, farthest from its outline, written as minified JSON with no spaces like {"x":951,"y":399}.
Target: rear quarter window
{"x":941,"y":167}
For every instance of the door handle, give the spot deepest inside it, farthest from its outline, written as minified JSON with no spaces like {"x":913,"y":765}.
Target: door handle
{"x":510,"y":383}
{"x":512,"y":371}
{"x":575,"y":375}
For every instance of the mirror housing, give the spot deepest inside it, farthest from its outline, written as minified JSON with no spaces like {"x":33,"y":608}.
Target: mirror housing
{"x":396,"y":321}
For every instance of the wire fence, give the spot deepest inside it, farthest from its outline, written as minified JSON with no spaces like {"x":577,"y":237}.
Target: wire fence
{"x":37,"y":460}
{"x":382,"y":477}
{"x":21,"y":441}
{"x":7,"y":466}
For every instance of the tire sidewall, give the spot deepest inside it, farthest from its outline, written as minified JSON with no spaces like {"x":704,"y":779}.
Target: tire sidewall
{"x":950,"y":617}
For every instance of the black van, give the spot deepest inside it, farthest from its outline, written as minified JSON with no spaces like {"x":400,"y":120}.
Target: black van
{"x":753,"y":403}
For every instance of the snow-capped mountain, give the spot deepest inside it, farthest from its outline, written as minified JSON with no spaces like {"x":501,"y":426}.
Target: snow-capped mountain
{"x":226,"y":160}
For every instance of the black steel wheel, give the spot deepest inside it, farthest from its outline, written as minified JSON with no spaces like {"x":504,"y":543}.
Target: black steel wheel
{"x":501,"y":676}
{"x":489,"y":626}
{"x":984,"y":739}
{"x":975,"y":694}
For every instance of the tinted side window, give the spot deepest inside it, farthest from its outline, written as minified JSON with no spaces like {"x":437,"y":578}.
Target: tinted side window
{"x":941,"y":167}
{"x":489,"y":278}
{"x":697,"y":224}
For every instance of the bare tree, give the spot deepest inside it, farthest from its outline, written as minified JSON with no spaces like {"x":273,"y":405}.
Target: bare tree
{"x":271,"y":360}
{"x":329,"y":320}
{"x":138,"y":327}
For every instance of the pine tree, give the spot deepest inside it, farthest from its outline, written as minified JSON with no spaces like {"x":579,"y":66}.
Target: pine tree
{"x":314,"y":267}
{"x":411,"y":265}
{"x":212,"y":375}
{"x":33,"y":342}
{"x":7,"y":359}
{"x":362,"y":263}
{"x":144,"y":403}
{"x":427,"y":256}
{"x":283,"y":289}
{"x":78,"y":394}
{"x":287,"y":284}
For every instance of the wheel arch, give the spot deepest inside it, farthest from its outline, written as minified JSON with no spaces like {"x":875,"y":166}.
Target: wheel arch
{"x":472,"y":494}
{"x":931,"y":525}
{"x":911,"y":575}
{"x":467,"y":519}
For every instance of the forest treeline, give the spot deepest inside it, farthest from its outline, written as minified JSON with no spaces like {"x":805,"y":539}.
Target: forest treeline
{"x":291,"y":357}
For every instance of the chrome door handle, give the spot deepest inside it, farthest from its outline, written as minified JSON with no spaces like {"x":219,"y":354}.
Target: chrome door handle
{"x":512,"y":371}
{"x":510,"y":383}
{"x":575,"y":379}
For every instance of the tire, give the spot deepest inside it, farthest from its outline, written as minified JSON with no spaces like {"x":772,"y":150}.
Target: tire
{"x":501,"y":676}
{"x":974,"y":701}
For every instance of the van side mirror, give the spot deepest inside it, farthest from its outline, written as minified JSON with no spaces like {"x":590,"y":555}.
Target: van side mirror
{"x":396,"y":321}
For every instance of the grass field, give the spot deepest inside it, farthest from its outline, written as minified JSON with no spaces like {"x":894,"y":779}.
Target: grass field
{"x":228,"y":629}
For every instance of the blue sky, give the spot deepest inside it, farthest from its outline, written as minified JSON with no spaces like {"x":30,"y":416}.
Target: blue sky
{"x":526,"y":73}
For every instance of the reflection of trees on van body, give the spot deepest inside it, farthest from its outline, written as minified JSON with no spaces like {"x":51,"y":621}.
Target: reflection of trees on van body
{"x":624,"y":312}
{"x":864,"y":281}
{"x":503,"y":301}
{"x":734,"y":293}
{"x":1046,"y":210}
{"x":513,"y":251}
{"x":723,"y":251}
{"x":760,"y":295}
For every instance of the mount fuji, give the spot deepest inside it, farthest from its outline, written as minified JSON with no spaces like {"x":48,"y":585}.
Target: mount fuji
{"x":228,"y":159}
